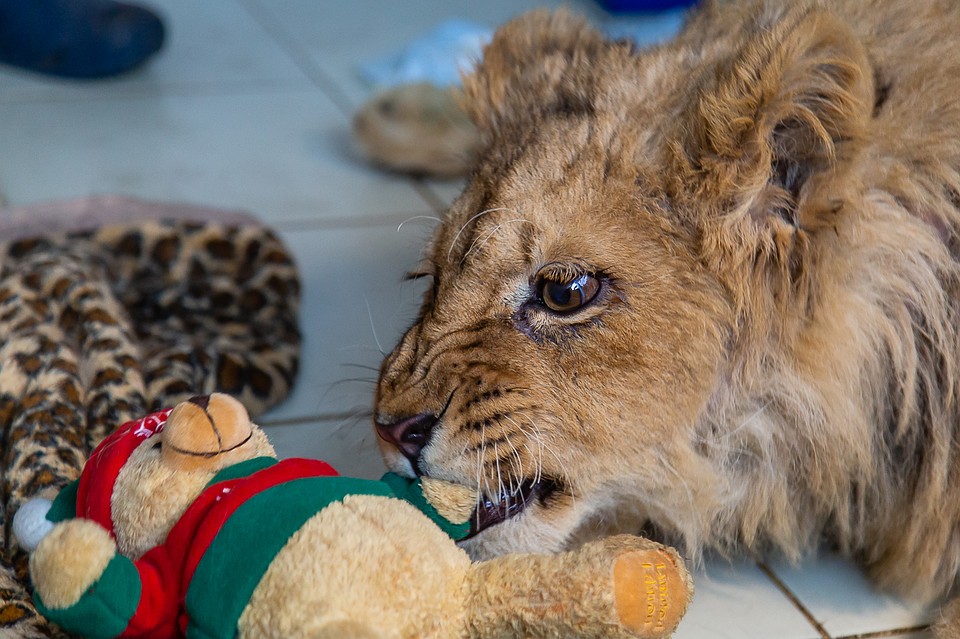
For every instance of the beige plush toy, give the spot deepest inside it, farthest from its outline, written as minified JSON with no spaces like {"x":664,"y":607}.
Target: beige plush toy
{"x":185,"y":524}
{"x":418,"y":128}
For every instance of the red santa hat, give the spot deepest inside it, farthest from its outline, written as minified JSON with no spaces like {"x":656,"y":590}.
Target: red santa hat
{"x":94,"y":489}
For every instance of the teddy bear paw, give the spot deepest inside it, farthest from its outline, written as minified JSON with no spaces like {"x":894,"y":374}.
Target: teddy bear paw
{"x":69,"y":560}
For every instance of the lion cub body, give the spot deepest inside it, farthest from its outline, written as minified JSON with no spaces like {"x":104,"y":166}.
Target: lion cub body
{"x":770,"y":205}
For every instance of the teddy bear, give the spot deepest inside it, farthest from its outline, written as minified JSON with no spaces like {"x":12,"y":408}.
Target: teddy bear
{"x":185,"y":524}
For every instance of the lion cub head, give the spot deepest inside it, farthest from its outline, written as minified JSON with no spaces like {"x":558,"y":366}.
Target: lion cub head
{"x":634,"y":223}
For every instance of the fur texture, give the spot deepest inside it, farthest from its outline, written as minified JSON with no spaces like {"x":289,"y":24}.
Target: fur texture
{"x":769,"y":207}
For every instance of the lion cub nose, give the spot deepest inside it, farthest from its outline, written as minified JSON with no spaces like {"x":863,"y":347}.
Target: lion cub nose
{"x":410,"y":435}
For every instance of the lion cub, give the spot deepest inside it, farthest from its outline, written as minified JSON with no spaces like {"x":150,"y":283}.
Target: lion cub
{"x":712,"y":285}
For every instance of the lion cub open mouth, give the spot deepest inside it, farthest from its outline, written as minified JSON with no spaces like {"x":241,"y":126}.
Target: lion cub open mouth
{"x":410,"y":436}
{"x":511,"y":504}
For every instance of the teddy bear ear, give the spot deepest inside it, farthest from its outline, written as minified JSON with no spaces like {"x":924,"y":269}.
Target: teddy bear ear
{"x":535,"y":64}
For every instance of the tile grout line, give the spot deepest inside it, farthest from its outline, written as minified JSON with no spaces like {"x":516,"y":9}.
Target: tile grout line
{"x":888,"y":634}
{"x":342,"y":223}
{"x":435,"y":201}
{"x":794,"y":600}
{"x":329,"y":87}
{"x":243,"y":88}
{"x":301,"y":58}
{"x":321,"y":417}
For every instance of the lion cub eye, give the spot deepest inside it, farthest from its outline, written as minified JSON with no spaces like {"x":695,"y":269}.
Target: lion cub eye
{"x":567,"y":296}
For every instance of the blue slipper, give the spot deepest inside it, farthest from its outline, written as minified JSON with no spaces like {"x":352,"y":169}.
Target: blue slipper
{"x":77,"y":38}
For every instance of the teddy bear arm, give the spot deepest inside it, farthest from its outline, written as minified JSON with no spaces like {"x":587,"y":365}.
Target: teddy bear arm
{"x":128,"y":599}
{"x":81,"y":582}
{"x":104,"y":610}
{"x":441,"y":502}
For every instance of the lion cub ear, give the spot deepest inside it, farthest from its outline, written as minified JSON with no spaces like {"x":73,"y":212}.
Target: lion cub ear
{"x":773,"y":132}
{"x":536,"y":64}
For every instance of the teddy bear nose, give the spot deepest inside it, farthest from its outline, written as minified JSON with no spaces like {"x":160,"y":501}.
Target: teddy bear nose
{"x":203,"y":401}
{"x":410,"y":435}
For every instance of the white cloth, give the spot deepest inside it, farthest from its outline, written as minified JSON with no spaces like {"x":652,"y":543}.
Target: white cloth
{"x":455,"y":46}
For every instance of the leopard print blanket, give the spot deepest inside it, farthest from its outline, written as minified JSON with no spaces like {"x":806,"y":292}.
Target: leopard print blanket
{"x":111,"y":308}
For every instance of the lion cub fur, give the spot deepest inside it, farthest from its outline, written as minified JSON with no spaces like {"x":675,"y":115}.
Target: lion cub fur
{"x":771,"y":202}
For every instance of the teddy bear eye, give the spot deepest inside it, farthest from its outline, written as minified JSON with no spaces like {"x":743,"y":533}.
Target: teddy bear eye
{"x":566,"y":296}
{"x":158,"y":445}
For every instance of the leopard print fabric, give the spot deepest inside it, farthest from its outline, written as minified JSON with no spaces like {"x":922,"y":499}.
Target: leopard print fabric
{"x":99,"y":327}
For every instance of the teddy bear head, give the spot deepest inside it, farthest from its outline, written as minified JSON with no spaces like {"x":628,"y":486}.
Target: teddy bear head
{"x":141,"y":478}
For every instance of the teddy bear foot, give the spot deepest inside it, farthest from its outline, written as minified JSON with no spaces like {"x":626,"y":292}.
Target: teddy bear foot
{"x":646,"y":583}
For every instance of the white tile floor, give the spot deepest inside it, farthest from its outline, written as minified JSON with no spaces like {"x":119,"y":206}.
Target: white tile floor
{"x":249,"y":106}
